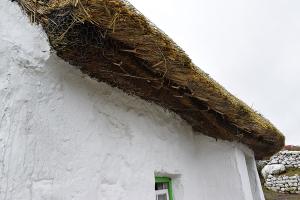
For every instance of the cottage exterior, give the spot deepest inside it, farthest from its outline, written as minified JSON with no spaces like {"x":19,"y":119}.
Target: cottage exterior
{"x":168,"y":132}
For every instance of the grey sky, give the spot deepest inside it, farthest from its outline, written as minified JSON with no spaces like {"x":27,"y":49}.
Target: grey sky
{"x":252,"y":47}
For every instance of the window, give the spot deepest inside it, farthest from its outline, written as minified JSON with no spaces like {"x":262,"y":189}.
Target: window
{"x":163,"y":188}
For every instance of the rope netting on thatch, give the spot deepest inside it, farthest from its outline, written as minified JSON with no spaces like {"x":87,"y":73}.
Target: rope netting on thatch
{"x":112,"y":42}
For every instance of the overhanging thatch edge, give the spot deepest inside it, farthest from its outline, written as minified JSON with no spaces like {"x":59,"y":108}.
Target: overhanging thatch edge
{"x":236,"y":119}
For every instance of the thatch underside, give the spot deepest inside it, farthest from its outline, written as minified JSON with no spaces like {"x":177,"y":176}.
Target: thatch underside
{"x":114,"y":43}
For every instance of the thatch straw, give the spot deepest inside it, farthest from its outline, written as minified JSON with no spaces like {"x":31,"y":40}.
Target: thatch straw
{"x":111,"y":41}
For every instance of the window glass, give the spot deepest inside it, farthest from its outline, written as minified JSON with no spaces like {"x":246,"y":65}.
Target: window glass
{"x":161,"y":186}
{"x":162,"y":197}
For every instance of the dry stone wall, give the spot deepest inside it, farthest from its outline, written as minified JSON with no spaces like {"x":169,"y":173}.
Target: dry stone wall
{"x":290,"y":159}
{"x":279,"y":163}
{"x":283,"y":184}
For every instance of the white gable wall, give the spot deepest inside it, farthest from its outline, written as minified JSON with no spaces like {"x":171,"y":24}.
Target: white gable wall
{"x":64,"y":136}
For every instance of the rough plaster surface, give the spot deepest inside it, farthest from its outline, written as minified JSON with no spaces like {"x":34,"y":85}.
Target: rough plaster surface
{"x":64,"y":136}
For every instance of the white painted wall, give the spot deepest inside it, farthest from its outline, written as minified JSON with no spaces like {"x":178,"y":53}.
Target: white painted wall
{"x":64,"y":136}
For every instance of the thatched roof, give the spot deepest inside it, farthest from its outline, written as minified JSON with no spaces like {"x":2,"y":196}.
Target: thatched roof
{"x":112,"y":42}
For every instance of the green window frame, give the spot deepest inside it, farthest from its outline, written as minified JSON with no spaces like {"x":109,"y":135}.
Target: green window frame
{"x":168,"y":181}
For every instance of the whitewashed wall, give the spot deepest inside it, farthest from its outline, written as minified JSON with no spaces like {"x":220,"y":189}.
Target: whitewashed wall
{"x":64,"y":136}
